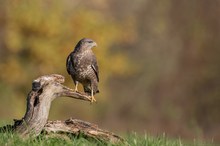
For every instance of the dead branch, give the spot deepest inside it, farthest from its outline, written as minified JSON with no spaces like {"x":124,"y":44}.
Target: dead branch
{"x":44,"y":90}
{"x":77,"y":127}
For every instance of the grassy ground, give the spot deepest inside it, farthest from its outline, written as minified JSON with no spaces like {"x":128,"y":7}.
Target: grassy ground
{"x":10,"y":139}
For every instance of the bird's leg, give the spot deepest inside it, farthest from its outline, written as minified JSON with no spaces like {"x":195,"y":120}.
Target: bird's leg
{"x":76,"y":85}
{"x":92,"y":96}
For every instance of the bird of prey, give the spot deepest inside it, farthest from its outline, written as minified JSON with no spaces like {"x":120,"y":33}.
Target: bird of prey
{"x":82,"y":65}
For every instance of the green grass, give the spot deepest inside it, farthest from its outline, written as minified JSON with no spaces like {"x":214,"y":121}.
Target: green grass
{"x":11,"y":139}
{"x":147,"y":140}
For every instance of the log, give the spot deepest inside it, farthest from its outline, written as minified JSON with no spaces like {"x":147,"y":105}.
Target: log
{"x":79,"y":127}
{"x":44,"y":90}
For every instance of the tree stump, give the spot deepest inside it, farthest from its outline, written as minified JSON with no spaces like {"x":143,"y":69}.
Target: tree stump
{"x":44,"y":90}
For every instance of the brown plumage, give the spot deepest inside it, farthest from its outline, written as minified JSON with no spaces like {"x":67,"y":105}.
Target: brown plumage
{"x":82,"y":65}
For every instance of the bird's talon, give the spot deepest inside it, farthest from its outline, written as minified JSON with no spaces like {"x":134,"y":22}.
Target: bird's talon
{"x":93,"y":99}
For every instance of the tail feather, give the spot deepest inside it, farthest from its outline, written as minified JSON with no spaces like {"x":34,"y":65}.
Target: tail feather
{"x":87,"y":89}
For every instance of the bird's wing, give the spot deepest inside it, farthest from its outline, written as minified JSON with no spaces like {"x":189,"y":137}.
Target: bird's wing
{"x":95,"y":68}
{"x":68,"y":64}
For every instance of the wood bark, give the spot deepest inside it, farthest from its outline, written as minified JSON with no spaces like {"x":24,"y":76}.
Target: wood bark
{"x":44,"y":90}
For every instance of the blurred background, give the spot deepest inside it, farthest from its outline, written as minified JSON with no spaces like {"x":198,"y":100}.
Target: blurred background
{"x":159,"y":62}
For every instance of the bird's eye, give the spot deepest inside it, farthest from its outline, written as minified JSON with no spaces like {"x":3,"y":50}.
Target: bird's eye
{"x":89,"y":41}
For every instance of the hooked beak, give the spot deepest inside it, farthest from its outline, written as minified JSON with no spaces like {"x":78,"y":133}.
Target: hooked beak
{"x":94,"y":44}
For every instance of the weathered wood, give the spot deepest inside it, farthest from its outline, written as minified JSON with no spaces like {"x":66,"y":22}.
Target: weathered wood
{"x":79,"y":127}
{"x":44,"y":90}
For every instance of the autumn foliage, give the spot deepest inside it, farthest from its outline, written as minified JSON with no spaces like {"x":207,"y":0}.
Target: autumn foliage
{"x":159,"y":61}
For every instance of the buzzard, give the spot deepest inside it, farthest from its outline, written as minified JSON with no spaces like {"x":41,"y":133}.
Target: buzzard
{"x":82,"y":65}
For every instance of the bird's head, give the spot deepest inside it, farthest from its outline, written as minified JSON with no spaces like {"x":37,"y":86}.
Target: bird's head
{"x":85,"y":44}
